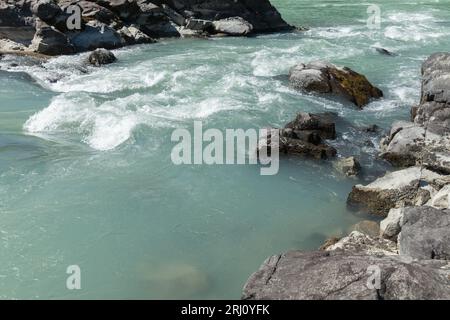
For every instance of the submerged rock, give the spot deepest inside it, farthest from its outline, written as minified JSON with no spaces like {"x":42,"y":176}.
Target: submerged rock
{"x":326,"y":78}
{"x":348,"y":166}
{"x":367,"y":227}
{"x":340,"y":274}
{"x":384,"y":51}
{"x":101,"y":56}
{"x":412,"y":186}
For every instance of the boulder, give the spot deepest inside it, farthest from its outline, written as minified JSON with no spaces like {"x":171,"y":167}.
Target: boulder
{"x":46,"y":10}
{"x":425,"y":233}
{"x":101,"y":56}
{"x":359,"y":242}
{"x":390,"y":227}
{"x":348,"y":166}
{"x":326,"y":78}
{"x":339,"y":274}
{"x":96,"y":35}
{"x":199,"y":25}
{"x":441,"y":200}
{"x":234,"y":26}
{"x":411,"y":186}
{"x":50,"y":41}
{"x":133,"y":35}
{"x":304,"y":137}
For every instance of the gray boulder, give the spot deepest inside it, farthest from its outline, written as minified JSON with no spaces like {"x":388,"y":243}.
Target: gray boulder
{"x":359,"y":242}
{"x":101,"y":56}
{"x":411,"y":186}
{"x":344,"y":275}
{"x":49,"y":41}
{"x":234,"y":26}
{"x":46,"y":10}
{"x":425,"y":233}
{"x":326,"y":78}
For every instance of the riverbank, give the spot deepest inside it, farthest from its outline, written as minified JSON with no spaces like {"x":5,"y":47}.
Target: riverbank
{"x":410,"y":251}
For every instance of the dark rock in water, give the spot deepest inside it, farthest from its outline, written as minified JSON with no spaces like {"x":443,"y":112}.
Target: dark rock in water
{"x":50,"y":41}
{"x":325,"y":78}
{"x":372,"y":129}
{"x":348,"y":166}
{"x":368,"y":227}
{"x":321,"y":123}
{"x":425,"y":233}
{"x":341,"y":274}
{"x":101,"y":57}
{"x":304,"y":136}
{"x":384,"y":51}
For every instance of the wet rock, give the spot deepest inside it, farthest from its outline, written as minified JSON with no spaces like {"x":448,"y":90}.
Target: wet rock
{"x":384,"y":51}
{"x":397,"y":189}
{"x":101,"y":57}
{"x":326,"y":78}
{"x":234,"y":26}
{"x":425,"y":233}
{"x":348,"y":166}
{"x":367,"y":227}
{"x":340,"y":274}
{"x":304,"y":137}
{"x":360,"y":242}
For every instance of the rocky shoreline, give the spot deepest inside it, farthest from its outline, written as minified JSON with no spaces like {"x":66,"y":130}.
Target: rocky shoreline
{"x":51,"y":28}
{"x":411,"y":246}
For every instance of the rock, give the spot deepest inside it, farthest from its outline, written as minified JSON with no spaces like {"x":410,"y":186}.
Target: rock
{"x":426,"y":141}
{"x":96,"y":35}
{"x":359,"y":242}
{"x":343,"y":275}
{"x":52,"y":42}
{"x":199,"y":25}
{"x":46,"y":10}
{"x":173,"y":15}
{"x":101,"y":57}
{"x":321,"y":124}
{"x":133,"y":35}
{"x":304,"y":137}
{"x":348,"y":166}
{"x":372,"y":129}
{"x":390,"y":227}
{"x":234,"y":26}
{"x":326,"y":78}
{"x":396,"y":189}
{"x":328,"y":243}
{"x":9,"y":45}
{"x":384,"y":51}
{"x":425,"y":233}
{"x":367,"y":227}
{"x":441,"y":200}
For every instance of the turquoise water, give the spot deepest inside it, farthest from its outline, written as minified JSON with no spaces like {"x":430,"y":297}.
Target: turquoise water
{"x":85,"y":171}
